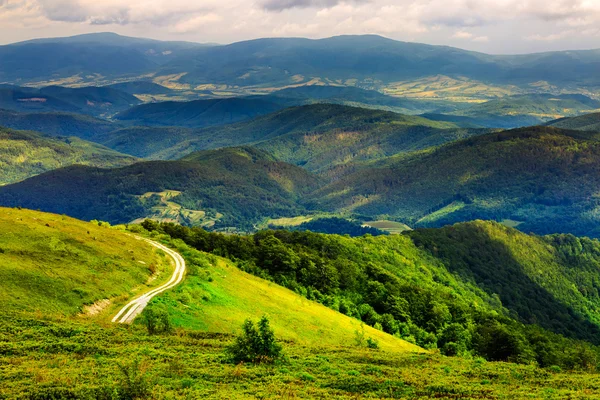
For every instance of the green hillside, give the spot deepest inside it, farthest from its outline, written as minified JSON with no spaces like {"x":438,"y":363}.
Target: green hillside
{"x":588,"y":122}
{"x":57,"y":266}
{"x":526,"y":110}
{"x":316,"y":137}
{"x":438,"y":287}
{"x":197,"y":113}
{"x":233,"y":187}
{"x":478,"y":288}
{"x":24,"y":154}
{"x":58,"y":124}
{"x":544,"y":179}
{"x":353,"y":96}
{"x":86,"y":100}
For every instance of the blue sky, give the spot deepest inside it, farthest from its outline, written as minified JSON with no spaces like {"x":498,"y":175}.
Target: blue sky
{"x":492,"y":26}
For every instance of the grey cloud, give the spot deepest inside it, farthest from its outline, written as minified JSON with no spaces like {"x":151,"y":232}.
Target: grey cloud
{"x":280,"y":5}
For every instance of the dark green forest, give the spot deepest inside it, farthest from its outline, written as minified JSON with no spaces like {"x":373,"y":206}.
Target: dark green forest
{"x":472,"y":289}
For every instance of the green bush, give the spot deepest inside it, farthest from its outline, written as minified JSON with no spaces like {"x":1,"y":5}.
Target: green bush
{"x":156,"y":320}
{"x":256,"y":344}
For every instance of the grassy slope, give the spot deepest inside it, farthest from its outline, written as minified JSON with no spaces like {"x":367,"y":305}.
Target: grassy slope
{"x":48,"y":359}
{"x":55,"y":265}
{"x":25,"y":154}
{"x":64,"y":358}
{"x":223,"y":304}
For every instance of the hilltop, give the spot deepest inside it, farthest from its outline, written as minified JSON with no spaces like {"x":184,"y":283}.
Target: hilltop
{"x":197,"y":113}
{"x":24,"y":154}
{"x":90,"y":100}
{"x":588,"y":122}
{"x":317,"y":136}
{"x":58,"y":266}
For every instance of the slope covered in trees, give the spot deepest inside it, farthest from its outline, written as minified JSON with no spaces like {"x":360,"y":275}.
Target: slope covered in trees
{"x":24,"y":154}
{"x":542,"y":178}
{"x":236,"y":186}
{"x":476,"y":288}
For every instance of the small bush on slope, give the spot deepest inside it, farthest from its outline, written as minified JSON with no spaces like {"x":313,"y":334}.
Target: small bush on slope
{"x":256,"y":343}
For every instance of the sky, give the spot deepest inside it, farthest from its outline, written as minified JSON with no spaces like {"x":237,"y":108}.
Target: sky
{"x":491,"y":26}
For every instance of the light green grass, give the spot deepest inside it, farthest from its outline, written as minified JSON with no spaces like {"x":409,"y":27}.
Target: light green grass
{"x":222,"y":303}
{"x":55,"y":265}
{"x":388,"y":226}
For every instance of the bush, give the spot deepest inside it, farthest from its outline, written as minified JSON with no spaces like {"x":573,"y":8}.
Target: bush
{"x":156,"y":320}
{"x":372,"y":343}
{"x":133,"y":383}
{"x":256,"y":344}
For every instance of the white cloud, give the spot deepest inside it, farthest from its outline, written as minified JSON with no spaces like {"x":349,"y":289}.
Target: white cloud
{"x":487,"y":25}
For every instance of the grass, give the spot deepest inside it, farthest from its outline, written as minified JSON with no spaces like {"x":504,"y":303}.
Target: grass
{"x":291,"y":221}
{"x":63,"y":359}
{"x":47,"y":351}
{"x":55,"y":265}
{"x":222,"y":303}
{"x":392,"y":227}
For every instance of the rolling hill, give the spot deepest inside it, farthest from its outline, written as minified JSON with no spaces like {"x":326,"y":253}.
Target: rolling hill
{"x":59,"y":124}
{"x":24,"y":154}
{"x":317,"y":137}
{"x":87,"y":100}
{"x":543,"y":179}
{"x":231,"y":187}
{"x":57,"y":266}
{"x":352,"y":96}
{"x":588,"y":123}
{"x":526,"y":110}
{"x":197,"y":113}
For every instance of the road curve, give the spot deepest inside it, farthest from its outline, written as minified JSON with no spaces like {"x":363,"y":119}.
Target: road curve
{"x":132,"y":309}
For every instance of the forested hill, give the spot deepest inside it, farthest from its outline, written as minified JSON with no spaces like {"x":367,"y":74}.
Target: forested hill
{"x":24,"y":154}
{"x":472,"y":288}
{"x":234,"y":187}
{"x":543,"y":179}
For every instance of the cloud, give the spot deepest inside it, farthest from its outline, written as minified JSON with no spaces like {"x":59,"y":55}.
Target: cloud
{"x":280,"y":5}
{"x":462,"y":35}
{"x":485,"y":25}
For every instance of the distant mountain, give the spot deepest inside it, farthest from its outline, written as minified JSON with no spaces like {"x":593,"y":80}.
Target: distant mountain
{"x":24,"y":154}
{"x":197,"y":113}
{"x":279,"y":61}
{"x":235,"y":186}
{"x":86,"y":100}
{"x":317,"y":136}
{"x":541,"y":179}
{"x":106,"y":54}
{"x":588,"y":122}
{"x":367,"y":61}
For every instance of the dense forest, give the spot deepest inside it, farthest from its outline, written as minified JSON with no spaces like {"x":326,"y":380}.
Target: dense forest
{"x":421,"y":287}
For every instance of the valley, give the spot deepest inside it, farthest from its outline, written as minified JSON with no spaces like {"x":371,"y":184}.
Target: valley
{"x":346,"y":217}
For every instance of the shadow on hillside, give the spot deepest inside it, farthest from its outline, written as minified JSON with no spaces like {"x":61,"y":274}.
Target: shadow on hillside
{"x":473,"y":256}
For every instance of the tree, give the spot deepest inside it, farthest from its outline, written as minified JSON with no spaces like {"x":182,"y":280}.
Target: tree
{"x":256,"y":343}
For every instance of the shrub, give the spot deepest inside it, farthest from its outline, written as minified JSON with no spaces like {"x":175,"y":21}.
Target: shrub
{"x":133,"y":383}
{"x":255,"y":344}
{"x":372,"y":343}
{"x":156,"y":320}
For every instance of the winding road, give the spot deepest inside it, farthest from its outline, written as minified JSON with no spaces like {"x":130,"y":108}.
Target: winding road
{"x":132,"y":309}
